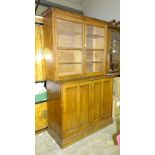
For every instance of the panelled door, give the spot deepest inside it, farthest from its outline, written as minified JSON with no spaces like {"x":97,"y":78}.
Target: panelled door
{"x":101,"y":100}
{"x":97,"y":100}
{"x":84,"y":105}
{"x":106,"y":107}
{"x":76,"y":107}
{"x":70,"y":109}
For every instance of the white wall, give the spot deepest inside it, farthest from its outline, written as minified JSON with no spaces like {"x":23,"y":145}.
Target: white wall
{"x":102,"y":9}
{"x":75,"y":4}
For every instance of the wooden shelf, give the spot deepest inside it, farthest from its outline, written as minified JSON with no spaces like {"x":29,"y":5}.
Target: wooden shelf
{"x":69,"y":33}
{"x":94,"y":61}
{"x":93,"y":49}
{"x":64,"y":48}
{"x":70,"y":62}
{"x":93,"y":36}
{"x":114,"y":52}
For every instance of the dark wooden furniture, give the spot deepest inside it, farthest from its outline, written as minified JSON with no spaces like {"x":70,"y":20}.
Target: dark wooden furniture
{"x":113,"y":49}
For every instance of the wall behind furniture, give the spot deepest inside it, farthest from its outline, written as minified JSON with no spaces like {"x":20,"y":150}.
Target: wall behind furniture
{"x":102,"y":9}
{"x":75,"y":4}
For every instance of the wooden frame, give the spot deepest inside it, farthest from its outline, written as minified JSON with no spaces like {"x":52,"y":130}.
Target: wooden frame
{"x":40,"y":74}
{"x":52,"y":48}
{"x":99,"y":24}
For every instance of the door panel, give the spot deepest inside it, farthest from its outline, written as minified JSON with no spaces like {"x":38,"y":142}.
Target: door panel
{"x":70,"y":109}
{"x":84,"y":105}
{"x":106,"y":108}
{"x":101,"y":100}
{"x":96,"y":100}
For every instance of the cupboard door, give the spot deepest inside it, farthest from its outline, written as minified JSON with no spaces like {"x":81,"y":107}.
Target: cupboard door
{"x":95,"y":50}
{"x":96,"y":100}
{"x":114,"y":51}
{"x":39,"y":55}
{"x":101,"y":100}
{"x":70,"y":110}
{"x":106,"y":106}
{"x":76,"y":108}
{"x":84,"y":105}
{"x":69,"y":46}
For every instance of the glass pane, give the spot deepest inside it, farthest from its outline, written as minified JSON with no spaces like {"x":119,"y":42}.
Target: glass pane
{"x":69,"y":41}
{"x":115,"y":40}
{"x":68,"y":26}
{"x":94,"y":56}
{"x":114,"y":52}
{"x":69,"y":34}
{"x":69,"y":56}
{"x":69,"y":69}
{"x":95,"y":37}
{"x":95,"y":43}
{"x":93,"y":30}
{"x":94,"y":67}
{"x":115,"y":35}
{"x":114,"y":62}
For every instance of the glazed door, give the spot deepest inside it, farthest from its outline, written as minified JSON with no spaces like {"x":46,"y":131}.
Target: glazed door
{"x":69,"y":46}
{"x":114,"y":51}
{"x":39,"y":55}
{"x":95,"y":47}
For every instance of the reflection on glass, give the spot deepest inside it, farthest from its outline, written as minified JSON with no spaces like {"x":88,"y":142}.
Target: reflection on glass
{"x":114,"y":52}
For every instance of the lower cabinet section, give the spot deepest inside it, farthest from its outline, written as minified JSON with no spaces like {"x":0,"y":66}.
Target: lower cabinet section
{"x":41,"y":116}
{"x":78,"y":109}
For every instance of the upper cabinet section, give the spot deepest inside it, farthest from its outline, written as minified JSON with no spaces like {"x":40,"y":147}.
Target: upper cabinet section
{"x":75,"y":45}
